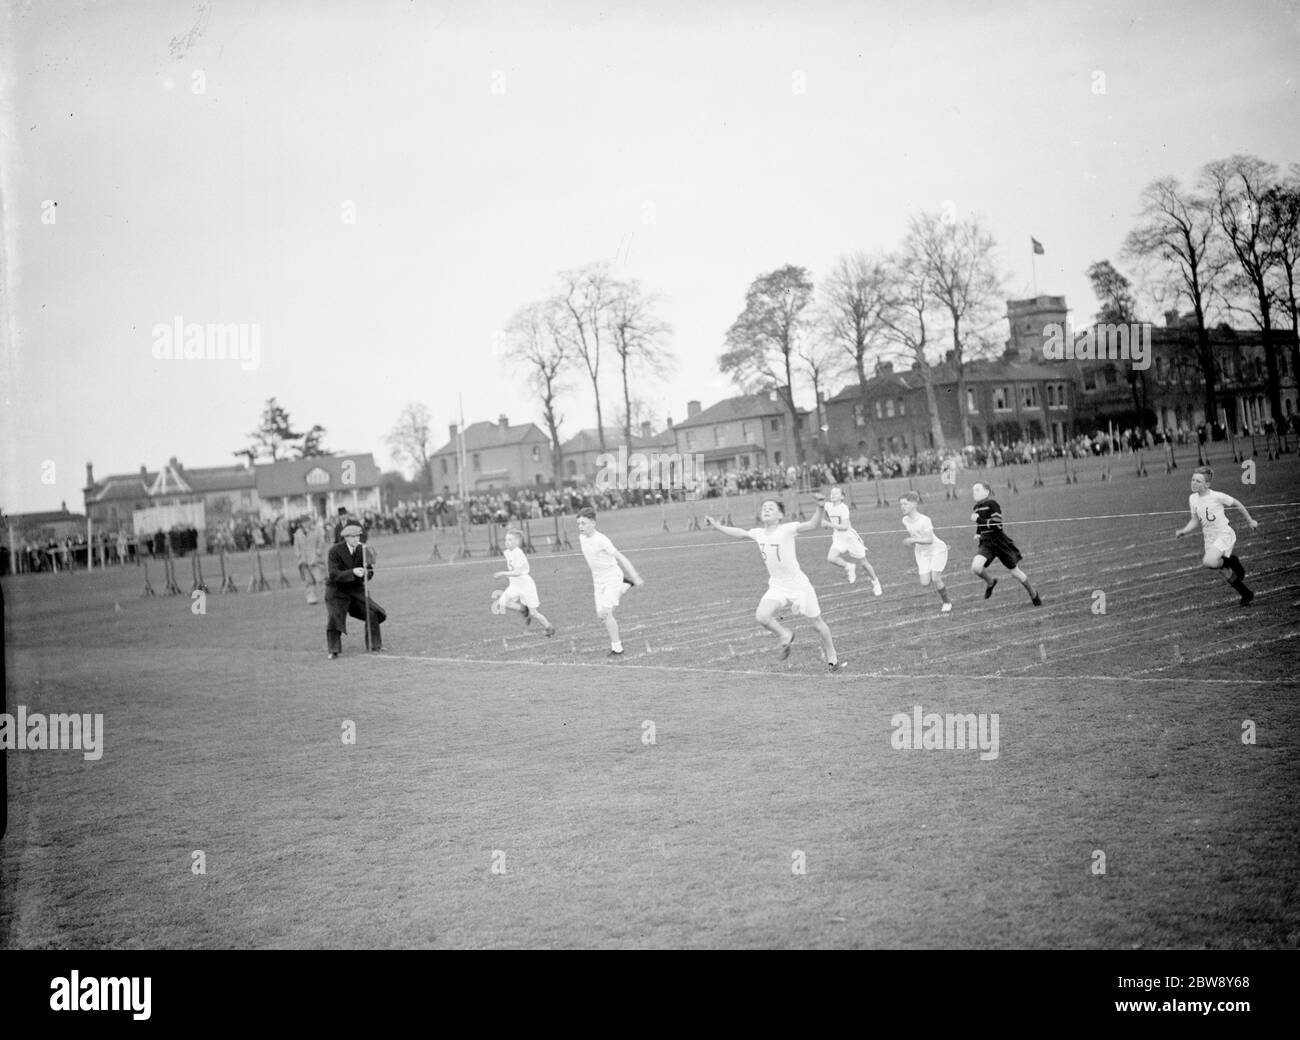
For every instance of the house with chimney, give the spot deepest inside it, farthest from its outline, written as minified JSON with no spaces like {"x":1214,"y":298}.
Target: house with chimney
{"x":581,"y":452}
{"x":497,"y":456}
{"x":206,"y":497}
{"x":738,"y":434}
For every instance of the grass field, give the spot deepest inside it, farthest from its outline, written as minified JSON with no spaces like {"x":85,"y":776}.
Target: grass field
{"x":480,"y":742}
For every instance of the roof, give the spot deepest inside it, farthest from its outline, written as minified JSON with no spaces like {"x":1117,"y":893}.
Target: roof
{"x":482,"y":435}
{"x":290,"y":476}
{"x":588,"y":440}
{"x":34,"y":519}
{"x":172,"y":479}
{"x":734,"y":409}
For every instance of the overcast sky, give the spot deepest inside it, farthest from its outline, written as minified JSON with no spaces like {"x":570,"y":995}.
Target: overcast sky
{"x":484,"y":147}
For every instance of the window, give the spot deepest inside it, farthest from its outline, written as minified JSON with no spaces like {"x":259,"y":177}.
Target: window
{"x":720,"y":436}
{"x":859,"y":415}
{"x":879,"y":413}
{"x":1056,"y":395}
{"x":1029,"y":396}
{"x":537,"y":453}
{"x":690,"y":441}
{"x":889,"y":408}
{"x":444,"y":467}
{"x":572,"y":466}
{"x":478,"y":462}
{"x":776,"y":425}
{"x":901,"y":410}
{"x":971,"y":407}
{"x":1089,"y":379}
{"x":1002,"y":398}
{"x":747,"y":433}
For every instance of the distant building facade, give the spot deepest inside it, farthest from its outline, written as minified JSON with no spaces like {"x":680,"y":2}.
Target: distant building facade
{"x":287,"y":487}
{"x":738,"y":434}
{"x":580,"y":454}
{"x":497,"y":456}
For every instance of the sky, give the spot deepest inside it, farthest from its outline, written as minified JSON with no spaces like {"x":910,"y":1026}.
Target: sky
{"x":376,"y":187}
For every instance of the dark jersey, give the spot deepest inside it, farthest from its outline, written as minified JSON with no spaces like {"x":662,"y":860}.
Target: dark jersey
{"x":988,"y":517}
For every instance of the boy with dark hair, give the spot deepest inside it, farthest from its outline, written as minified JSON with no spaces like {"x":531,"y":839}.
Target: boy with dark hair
{"x":994,"y":544}
{"x":611,"y":575}
{"x":787,"y":585}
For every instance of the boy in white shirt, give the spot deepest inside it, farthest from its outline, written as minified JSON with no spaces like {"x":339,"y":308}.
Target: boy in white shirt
{"x":787,"y":585}
{"x":611,"y":575}
{"x":931,"y":550}
{"x":521,"y":593}
{"x":846,"y":540}
{"x":1210,"y":510}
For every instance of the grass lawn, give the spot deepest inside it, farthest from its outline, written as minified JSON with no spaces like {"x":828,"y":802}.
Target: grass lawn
{"x":480,"y":742}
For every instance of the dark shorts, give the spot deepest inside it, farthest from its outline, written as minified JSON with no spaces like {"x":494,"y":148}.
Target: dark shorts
{"x":999,"y":547}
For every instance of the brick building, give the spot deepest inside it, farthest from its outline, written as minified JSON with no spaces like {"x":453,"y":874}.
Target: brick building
{"x":497,"y":456}
{"x":737,"y":434}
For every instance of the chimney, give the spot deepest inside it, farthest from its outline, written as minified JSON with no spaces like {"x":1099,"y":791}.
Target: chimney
{"x":1171,"y":319}
{"x":503,"y":424}
{"x":645,"y":429}
{"x":63,"y":506}
{"x":670,"y":422}
{"x":90,"y":475}
{"x":173,"y":463}
{"x":451,"y":430}
{"x":144,"y":475}
{"x":692,"y":409}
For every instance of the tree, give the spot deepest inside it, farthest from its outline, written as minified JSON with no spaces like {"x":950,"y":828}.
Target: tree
{"x":312,"y":443}
{"x":409,"y":441}
{"x":536,"y":340}
{"x":1282,"y":218}
{"x":956,"y":259}
{"x":273,"y":435}
{"x":586,"y":295}
{"x":853,"y":297}
{"x":903,"y":318}
{"x":821,"y":360}
{"x":760,"y":345}
{"x":1176,"y":231}
{"x":1237,"y":188}
{"x":1115,"y":294}
{"x":638,"y":335}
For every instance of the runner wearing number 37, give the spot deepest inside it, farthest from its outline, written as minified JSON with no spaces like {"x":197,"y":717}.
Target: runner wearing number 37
{"x":787,"y":587}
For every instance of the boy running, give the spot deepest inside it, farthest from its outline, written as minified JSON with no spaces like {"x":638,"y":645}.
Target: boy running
{"x":521,"y":593}
{"x":1210,"y":510}
{"x":994,"y":544}
{"x":787,"y":584}
{"x":931,"y":550}
{"x":611,"y":575}
{"x":846,"y":540}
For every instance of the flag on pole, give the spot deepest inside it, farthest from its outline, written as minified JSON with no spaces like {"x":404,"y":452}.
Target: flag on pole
{"x":1038,"y":246}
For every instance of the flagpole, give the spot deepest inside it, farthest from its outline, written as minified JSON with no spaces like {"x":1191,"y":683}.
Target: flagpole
{"x":1033,"y":265}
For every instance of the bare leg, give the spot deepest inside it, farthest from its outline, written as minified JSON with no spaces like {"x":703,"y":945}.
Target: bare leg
{"x":828,"y":644}
{"x":611,"y":626}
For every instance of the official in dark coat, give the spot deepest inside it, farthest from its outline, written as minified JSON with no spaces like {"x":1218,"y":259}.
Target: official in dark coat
{"x":345,"y":593}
